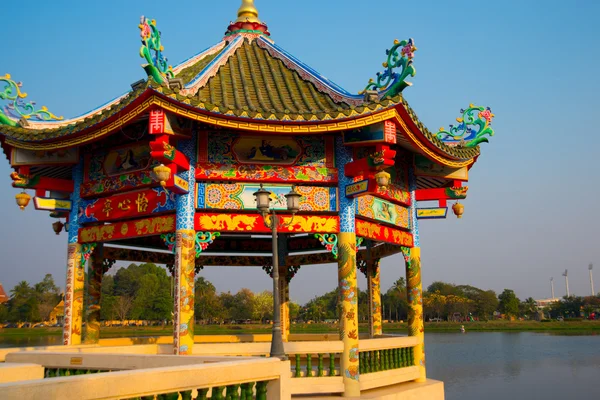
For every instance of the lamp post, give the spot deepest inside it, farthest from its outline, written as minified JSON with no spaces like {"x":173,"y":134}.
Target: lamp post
{"x":591,"y":267}
{"x":566,"y":275}
{"x":263,"y":202}
{"x":552,"y":287}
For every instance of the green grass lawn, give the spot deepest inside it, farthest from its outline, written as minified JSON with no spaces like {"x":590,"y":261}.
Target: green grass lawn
{"x":491,"y":326}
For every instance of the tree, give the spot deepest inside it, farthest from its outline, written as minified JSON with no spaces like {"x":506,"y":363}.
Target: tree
{"x":243,"y":308}
{"x":23,"y":304}
{"x":486,"y":303}
{"x":207,"y":303}
{"x":123,"y":306}
{"x":3,"y":313}
{"x":434,"y":303}
{"x":263,"y":305}
{"x":294,"y":310}
{"x":47,"y":295}
{"x":528,"y":307}
{"x":509,"y":303}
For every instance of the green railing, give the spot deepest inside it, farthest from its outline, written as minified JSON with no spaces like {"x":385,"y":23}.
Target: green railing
{"x":244,"y":391}
{"x":58,"y":372}
{"x":385,"y":359}
{"x":324,"y":365}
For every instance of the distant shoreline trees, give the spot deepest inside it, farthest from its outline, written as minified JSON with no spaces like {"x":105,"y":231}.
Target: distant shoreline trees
{"x":145,"y":292}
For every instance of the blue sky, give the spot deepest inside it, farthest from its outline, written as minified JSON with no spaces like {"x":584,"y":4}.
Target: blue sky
{"x":532,"y":205}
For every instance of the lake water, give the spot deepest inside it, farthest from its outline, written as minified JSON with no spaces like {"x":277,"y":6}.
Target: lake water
{"x":493,"y":366}
{"x":515,"y":366}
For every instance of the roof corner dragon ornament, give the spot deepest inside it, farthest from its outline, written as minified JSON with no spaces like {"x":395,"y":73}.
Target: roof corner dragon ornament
{"x":17,"y":108}
{"x":472,"y":128}
{"x":151,"y":50}
{"x":390,"y":82}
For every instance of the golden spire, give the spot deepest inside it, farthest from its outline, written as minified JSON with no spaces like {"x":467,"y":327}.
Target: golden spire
{"x":247,"y":12}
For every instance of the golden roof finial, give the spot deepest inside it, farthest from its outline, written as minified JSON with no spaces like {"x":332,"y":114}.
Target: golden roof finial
{"x":247,"y":12}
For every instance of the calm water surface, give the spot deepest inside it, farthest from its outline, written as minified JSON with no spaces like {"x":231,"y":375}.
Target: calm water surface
{"x":492,"y":366}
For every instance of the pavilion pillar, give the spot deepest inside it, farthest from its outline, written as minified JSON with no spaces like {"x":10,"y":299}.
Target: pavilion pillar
{"x":185,"y":258}
{"x":414,"y":287}
{"x":348,"y":301}
{"x":75,"y":277}
{"x":94,"y":288}
{"x":374,"y":285}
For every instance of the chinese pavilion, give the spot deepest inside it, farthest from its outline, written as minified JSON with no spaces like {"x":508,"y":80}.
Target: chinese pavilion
{"x":169,"y":170}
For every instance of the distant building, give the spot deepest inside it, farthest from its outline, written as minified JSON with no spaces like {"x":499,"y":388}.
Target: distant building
{"x":543,"y":303}
{"x":3,"y":296}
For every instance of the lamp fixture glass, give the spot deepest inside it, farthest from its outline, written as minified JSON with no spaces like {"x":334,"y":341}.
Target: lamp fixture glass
{"x":263,"y":200}
{"x":293,"y":200}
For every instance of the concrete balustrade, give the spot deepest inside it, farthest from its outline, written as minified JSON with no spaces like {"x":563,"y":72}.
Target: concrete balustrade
{"x":313,"y":366}
{"x":184,"y":380}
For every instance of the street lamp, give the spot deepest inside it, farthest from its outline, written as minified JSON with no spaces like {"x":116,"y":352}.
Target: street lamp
{"x":263,"y":202}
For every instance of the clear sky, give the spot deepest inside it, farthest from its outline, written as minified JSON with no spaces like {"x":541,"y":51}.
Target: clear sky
{"x":532,"y":206}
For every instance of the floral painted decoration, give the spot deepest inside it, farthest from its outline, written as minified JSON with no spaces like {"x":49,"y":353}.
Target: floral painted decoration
{"x":17,"y":107}
{"x":390,"y":82}
{"x":152,"y":49}
{"x":472,"y":127}
{"x":203,"y":239}
{"x":330,"y":241}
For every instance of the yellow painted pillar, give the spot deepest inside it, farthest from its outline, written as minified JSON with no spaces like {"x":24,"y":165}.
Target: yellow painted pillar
{"x":374,"y":284}
{"x":348,"y":312}
{"x":415,"y":306}
{"x":284,"y":295}
{"x":184,"y":268}
{"x":94,"y":287}
{"x":73,"y":296}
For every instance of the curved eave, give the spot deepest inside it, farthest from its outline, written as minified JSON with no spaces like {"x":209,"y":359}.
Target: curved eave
{"x":429,"y":145}
{"x":135,"y":106}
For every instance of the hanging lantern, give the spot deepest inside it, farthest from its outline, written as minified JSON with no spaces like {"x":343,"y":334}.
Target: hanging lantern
{"x":163,"y":173}
{"x":22,"y":200}
{"x":458,"y":209}
{"x":57,"y":227}
{"x":383,"y":179}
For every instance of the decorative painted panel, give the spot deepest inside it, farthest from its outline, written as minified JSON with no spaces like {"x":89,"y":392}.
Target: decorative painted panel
{"x":128,"y":229}
{"x":384,"y":211}
{"x":230,"y":148}
{"x":253,"y":223}
{"x":240,"y":196}
{"x":432,"y":213}
{"x":119,"y":161}
{"x":126,"y":205}
{"x":265,"y":173}
{"x":116,"y":184}
{"x":382,"y":132}
{"x":370,"y":230}
{"x":32,"y":157}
